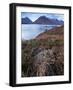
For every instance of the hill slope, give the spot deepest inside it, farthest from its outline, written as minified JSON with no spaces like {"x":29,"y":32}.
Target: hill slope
{"x":55,"y":34}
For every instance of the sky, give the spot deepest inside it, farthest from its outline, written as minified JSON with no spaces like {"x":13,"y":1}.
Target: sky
{"x":33,"y":16}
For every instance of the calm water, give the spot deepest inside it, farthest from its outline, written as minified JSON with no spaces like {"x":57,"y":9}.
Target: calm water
{"x":30,"y":31}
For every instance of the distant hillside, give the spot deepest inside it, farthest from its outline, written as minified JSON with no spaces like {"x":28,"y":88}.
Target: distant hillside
{"x":26,"y":20}
{"x":45,"y":20}
{"x":55,"y":34}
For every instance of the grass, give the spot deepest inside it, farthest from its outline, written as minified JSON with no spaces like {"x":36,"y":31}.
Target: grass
{"x":36,"y":43}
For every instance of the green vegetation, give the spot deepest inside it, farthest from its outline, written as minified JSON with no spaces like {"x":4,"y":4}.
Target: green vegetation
{"x":38,"y":43}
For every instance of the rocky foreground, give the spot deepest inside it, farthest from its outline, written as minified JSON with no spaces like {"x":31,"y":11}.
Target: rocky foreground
{"x":44,"y":56}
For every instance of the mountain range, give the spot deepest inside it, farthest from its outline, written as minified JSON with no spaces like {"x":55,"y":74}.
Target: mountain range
{"x":42,"y":20}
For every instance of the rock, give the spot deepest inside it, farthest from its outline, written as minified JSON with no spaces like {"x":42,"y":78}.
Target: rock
{"x":46,"y":62}
{"x":42,"y":62}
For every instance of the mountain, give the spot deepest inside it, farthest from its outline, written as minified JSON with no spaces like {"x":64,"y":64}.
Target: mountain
{"x":26,"y":20}
{"x":53,"y":34}
{"x":42,"y":20}
{"x":45,"y":20}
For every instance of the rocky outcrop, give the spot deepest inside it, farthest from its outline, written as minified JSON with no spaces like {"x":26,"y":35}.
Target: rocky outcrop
{"x":47,"y":62}
{"x":44,"y":56}
{"x":42,"y":63}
